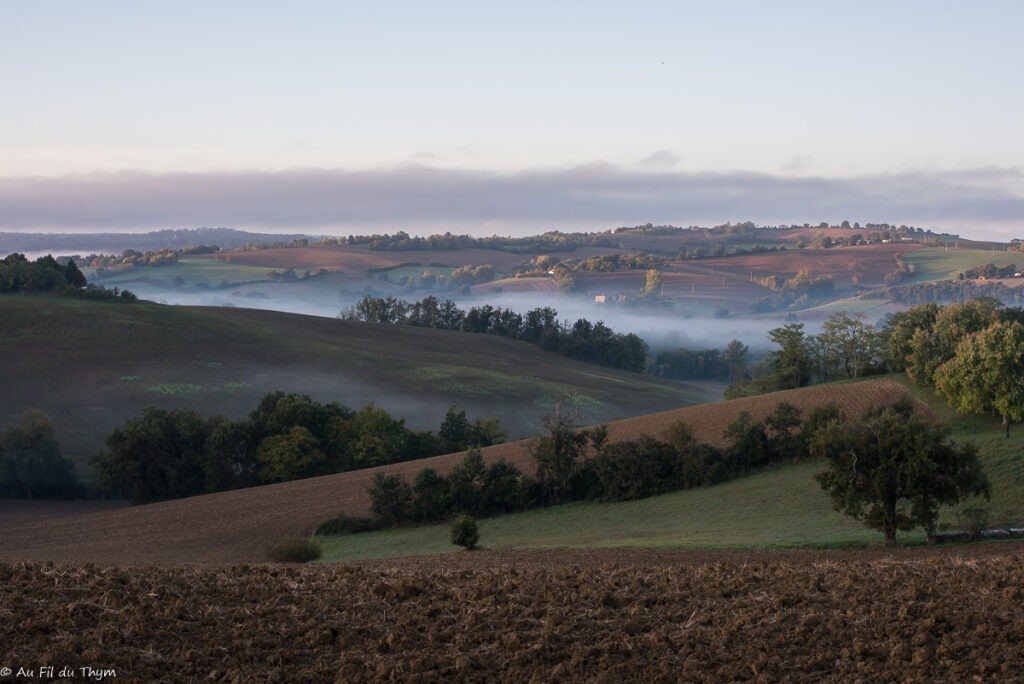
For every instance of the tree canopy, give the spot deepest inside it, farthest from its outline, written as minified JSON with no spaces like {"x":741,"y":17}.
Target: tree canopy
{"x":986,"y":373}
{"x":893,"y":469}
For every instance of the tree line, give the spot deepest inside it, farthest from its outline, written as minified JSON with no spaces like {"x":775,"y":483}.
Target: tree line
{"x":583,"y":340}
{"x":20,"y":275}
{"x":971,"y":353}
{"x":170,"y":454}
{"x":891,"y":468}
{"x":577,"y":464}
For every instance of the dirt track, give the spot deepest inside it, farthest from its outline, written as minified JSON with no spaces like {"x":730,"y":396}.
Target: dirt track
{"x":239,"y":526}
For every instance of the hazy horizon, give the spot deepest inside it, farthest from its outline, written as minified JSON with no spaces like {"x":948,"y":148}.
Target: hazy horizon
{"x":510,"y":119}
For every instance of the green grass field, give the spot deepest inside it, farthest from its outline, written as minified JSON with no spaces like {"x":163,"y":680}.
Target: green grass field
{"x":778,"y":508}
{"x":193,"y":271}
{"x":91,"y":365}
{"x":396,"y":274}
{"x":936,"y":263}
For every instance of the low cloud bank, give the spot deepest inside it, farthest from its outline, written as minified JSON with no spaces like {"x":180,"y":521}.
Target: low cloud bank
{"x":423,"y":199}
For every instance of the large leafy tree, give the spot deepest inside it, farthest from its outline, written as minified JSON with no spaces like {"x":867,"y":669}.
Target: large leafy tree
{"x":848,"y":345}
{"x":31,"y":464}
{"x":791,"y":363}
{"x":900,"y":329}
{"x":289,"y":455}
{"x":893,"y":469}
{"x":987,"y":373}
{"x":160,"y":455}
{"x":930,"y":348}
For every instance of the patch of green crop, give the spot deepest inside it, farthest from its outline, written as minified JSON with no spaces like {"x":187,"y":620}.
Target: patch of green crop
{"x":231,"y":387}
{"x":176,"y":389}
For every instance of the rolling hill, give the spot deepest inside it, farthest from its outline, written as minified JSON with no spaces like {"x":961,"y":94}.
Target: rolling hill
{"x":239,"y":526}
{"x":91,"y":365}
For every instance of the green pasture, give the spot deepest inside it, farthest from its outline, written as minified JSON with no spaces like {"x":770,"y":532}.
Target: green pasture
{"x":397,"y":273}
{"x":938,"y":263}
{"x":193,"y":271}
{"x":778,"y":508}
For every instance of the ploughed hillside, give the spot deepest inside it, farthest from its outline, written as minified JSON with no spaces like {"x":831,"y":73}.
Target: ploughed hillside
{"x":239,"y":526}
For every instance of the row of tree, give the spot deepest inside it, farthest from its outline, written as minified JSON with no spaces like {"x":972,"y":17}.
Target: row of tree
{"x":593,"y":342}
{"x":891,"y":468}
{"x":972,"y":353}
{"x":847,"y":347}
{"x":574,"y":464}
{"x":949,"y":292}
{"x":170,"y":454}
{"x":728,"y":365}
{"x":46,"y":274}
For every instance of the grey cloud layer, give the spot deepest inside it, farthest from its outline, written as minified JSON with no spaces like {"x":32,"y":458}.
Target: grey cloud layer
{"x":594,"y":196}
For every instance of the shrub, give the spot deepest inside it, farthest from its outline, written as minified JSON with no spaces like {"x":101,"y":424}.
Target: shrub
{"x":346,"y":524}
{"x":294,"y":549}
{"x":464,"y":532}
{"x":974,"y":518}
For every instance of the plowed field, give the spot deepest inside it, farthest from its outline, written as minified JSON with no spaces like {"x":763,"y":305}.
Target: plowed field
{"x":622,"y":617}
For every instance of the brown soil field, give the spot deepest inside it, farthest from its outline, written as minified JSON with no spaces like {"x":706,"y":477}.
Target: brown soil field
{"x":870,"y":263}
{"x":239,"y":526}
{"x":358,"y":260}
{"x":952,"y":616}
{"x":544,"y":285}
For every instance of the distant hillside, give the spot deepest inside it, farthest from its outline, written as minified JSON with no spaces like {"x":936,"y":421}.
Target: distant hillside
{"x":115,"y":243}
{"x":91,"y":365}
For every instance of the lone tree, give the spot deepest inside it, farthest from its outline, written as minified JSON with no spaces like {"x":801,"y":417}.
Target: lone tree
{"x":893,"y":469}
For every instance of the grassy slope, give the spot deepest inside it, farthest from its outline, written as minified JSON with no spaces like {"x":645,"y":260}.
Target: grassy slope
{"x":780,"y":507}
{"x":192,"y":270}
{"x":936,"y":263}
{"x":90,"y":365}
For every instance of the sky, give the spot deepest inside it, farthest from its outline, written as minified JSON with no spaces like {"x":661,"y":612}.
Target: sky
{"x":509,"y":117}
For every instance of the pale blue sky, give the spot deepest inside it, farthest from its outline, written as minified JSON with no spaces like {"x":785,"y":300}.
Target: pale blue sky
{"x":905,"y":111}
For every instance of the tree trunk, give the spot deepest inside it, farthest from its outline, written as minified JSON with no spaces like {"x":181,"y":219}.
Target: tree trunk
{"x":890,"y":519}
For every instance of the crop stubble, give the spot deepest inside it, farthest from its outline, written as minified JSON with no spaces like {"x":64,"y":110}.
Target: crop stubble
{"x":488,"y":617}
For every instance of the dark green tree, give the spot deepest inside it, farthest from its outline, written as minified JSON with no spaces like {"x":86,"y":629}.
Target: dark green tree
{"x":391,"y":499}
{"x":289,"y":455}
{"x":792,"y":362}
{"x":31,"y":464}
{"x":893,"y":469}
{"x":558,"y":453}
{"x":160,"y":455}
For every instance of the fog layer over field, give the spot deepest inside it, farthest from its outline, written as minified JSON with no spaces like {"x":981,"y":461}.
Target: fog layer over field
{"x":662,"y":326}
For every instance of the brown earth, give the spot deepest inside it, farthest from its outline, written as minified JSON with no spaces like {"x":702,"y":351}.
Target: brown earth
{"x":667,"y":617}
{"x":870,"y":263}
{"x":359,"y":259}
{"x":239,"y":526}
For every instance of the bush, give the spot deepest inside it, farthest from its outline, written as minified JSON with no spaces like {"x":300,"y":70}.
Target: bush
{"x":294,"y":549}
{"x":346,"y":524}
{"x":464,"y":532}
{"x":974,"y":518}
